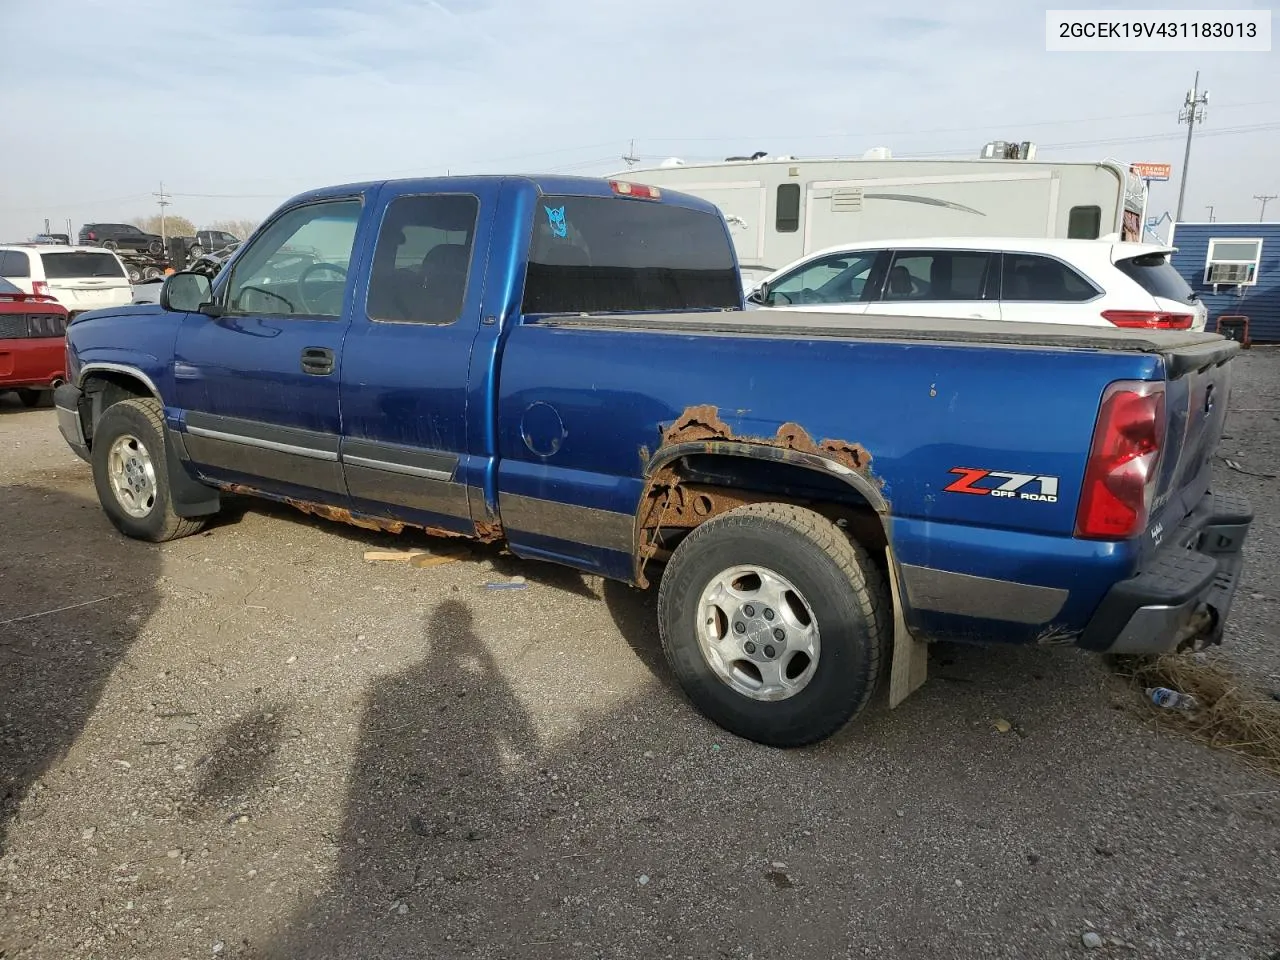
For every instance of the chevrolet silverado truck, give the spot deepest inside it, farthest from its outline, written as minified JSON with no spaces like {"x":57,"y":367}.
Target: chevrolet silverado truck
{"x":564,"y":365}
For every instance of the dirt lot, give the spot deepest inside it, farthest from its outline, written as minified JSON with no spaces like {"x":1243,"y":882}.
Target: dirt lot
{"x":252,"y":743}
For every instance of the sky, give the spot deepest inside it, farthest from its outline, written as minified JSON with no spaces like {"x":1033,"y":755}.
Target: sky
{"x":236,"y":105}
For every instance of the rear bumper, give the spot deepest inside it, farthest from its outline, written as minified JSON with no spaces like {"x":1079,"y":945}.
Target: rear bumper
{"x":66,"y":403}
{"x":1183,"y":594}
{"x":31,"y":362}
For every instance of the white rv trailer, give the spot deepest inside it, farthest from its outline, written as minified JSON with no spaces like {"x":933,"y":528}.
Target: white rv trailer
{"x":781,"y":208}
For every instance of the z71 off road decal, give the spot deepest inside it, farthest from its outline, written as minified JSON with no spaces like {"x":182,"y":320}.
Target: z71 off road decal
{"x":997,"y":483}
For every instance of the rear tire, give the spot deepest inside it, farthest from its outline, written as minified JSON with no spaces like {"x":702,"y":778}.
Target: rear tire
{"x":131,"y":474}
{"x":135,"y":275}
{"x":775,"y":551}
{"x":110,"y":245}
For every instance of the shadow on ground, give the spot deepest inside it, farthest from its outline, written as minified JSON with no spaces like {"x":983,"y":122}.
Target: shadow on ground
{"x":57,"y":551}
{"x":636,"y":828}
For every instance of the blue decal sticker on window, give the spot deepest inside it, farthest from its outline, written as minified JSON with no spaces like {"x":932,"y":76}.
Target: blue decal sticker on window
{"x":556,"y":219}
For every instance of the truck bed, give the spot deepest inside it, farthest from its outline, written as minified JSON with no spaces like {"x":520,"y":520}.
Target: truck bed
{"x":1183,"y":349}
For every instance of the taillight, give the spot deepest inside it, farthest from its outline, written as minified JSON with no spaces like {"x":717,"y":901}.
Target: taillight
{"x":91,"y":235}
{"x":638,"y":190}
{"x":1149,"y":319}
{"x":41,"y":288}
{"x":1119,"y":479}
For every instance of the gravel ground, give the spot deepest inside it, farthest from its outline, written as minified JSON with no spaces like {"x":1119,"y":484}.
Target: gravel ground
{"x":252,"y":743}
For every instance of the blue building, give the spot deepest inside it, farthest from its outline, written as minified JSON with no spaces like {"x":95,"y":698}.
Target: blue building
{"x":1235,"y":268}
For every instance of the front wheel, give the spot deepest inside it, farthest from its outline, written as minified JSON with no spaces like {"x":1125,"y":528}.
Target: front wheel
{"x":775,"y":624}
{"x":135,"y":274}
{"x":131,"y":473}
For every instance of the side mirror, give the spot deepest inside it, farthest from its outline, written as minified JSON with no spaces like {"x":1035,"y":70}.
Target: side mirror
{"x":760,"y":294}
{"x":186,"y":292}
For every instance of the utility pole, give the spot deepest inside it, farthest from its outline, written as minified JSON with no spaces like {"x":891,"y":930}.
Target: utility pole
{"x":163,"y":201}
{"x":630,"y":158}
{"x":1264,"y":197}
{"x":1192,"y":113}
{"x":1209,"y":207}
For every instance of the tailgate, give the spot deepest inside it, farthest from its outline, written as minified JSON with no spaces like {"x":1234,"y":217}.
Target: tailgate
{"x":1197,"y":390}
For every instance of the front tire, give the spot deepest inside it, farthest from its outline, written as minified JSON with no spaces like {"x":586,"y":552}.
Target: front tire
{"x":130,"y":472}
{"x":775,"y":624}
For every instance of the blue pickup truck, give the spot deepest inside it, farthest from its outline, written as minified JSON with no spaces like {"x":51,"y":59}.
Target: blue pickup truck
{"x":565,"y":365}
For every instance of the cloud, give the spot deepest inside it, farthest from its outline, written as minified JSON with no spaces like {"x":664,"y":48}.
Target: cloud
{"x":262,"y":100}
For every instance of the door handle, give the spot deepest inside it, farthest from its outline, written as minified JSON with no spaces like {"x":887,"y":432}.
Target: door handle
{"x":317,"y":361}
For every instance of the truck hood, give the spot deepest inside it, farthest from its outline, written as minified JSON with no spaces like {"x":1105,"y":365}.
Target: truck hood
{"x":110,"y":314}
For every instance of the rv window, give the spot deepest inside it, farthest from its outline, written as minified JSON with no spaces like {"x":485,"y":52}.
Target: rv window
{"x":938,"y":275}
{"x":1084,"y":223}
{"x":1028,"y":277}
{"x":787,"y":219}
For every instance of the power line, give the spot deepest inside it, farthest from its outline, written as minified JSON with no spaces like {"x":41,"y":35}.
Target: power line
{"x":972,"y":129}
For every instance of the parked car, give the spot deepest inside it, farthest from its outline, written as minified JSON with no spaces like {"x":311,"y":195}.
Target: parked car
{"x":32,"y":348}
{"x":564,"y":365}
{"x":121,"y":236}
{"x":80,"y":278}
{"x":207,"y":241}
{"x":1086,"y":282}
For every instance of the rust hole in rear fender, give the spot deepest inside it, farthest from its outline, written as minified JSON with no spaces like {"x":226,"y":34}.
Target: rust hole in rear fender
{"x":669,"y":502}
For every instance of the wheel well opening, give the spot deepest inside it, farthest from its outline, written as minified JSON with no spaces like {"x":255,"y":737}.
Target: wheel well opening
{"x":695,"y":488}
{"x":104,"y":388}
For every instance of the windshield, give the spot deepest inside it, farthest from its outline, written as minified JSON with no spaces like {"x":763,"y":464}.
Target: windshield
{"x":80,"y":265}
{"x":613,"y":255}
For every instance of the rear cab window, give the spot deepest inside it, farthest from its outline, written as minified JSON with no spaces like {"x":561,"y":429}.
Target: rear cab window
{"x":80,"y":265}
{"x":614,"y":255}
{"x":1156,"y":275}
{"x":422,"y":260}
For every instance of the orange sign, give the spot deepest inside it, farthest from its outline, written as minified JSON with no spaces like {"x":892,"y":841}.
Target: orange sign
{"x":1151,"y":171}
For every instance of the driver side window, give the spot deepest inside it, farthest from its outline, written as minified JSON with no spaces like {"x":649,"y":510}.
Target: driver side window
{"x":298,"y":266}
{"x":838,"y":278}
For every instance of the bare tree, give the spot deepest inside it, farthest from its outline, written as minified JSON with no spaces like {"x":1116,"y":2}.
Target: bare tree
{"x":174,"y":226}
{"x":242,"y":228}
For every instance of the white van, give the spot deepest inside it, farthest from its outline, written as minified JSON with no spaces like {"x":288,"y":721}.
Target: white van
{"x":80,"y":278}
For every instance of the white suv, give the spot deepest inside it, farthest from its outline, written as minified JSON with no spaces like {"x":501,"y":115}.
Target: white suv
{"x":80,"y":278}
{"x":1085,"y":282}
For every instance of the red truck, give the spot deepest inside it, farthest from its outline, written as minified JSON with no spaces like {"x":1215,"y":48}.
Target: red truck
{"x":32,"y":344}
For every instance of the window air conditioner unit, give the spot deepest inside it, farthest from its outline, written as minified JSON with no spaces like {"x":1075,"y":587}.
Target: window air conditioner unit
{"x":1229,"y":273}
